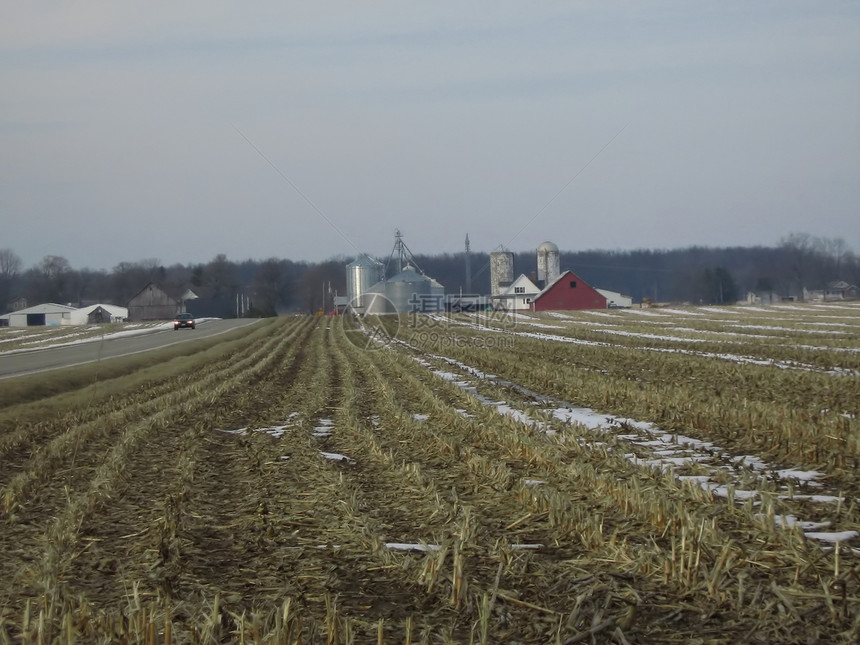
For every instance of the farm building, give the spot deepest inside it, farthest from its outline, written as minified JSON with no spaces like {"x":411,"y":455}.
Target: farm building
{"x":839,"y":290}
{"x":548,"y":289}
{"x":99,"y":313}
{"x":516,"y":296}
{"x":54,"y":314}
{"x":568,"y":292}
{"x":408,"y":291}
{"x":45,"y":314}
{"x":615,"y":300}
{"x":152,"y":303}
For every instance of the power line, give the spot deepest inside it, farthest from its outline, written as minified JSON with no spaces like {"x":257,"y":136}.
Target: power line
{"x":298,"y":190}
{"x":559,"y":192}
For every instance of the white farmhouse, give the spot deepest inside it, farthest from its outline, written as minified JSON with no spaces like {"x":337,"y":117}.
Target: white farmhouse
{"x":517,"y":296}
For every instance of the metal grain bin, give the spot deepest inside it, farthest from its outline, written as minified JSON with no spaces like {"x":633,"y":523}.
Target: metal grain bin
{"x":361,"y":274}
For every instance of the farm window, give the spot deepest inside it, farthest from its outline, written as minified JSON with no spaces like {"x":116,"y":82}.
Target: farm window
{"x":573,"y":284}
{"x":519,"y":289}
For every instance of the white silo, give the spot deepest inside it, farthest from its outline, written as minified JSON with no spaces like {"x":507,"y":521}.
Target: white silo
{"x":501,"y":271}
{"x":547,"y":263}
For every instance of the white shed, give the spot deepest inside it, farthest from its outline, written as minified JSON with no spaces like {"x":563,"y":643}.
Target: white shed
{"x":615,"y":300}
{"x":99,"y":313}
{"x":48,"y":313}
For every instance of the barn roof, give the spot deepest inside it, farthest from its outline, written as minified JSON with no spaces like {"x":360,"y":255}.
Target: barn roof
{"x":44,"y":308}
{"x":558,"y":279}
{"x":167,"y":292}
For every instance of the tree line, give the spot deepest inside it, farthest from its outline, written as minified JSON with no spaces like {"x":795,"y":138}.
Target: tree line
{"x":276,"y":285}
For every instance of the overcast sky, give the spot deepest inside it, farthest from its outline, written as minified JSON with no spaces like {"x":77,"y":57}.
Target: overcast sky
{"x":306,"y":130}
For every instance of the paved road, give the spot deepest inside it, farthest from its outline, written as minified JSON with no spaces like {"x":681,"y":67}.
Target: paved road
{"x":42,"y":360}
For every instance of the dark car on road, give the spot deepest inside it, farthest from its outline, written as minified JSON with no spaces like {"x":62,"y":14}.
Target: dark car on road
{"x":184,"y":320}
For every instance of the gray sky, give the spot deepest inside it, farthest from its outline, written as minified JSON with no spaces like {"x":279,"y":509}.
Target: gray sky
{"x":177,"y":131}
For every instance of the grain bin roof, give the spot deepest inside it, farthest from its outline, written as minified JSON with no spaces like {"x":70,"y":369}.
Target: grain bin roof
{"x":363,"y":260}
{"x":409,"y":275}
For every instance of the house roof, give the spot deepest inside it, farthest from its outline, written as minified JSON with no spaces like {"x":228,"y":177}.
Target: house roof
{"x":522,"y":281}
{"x":840,"y":284}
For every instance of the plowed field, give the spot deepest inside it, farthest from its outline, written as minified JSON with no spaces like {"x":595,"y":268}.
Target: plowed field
{"x":315,"y":481}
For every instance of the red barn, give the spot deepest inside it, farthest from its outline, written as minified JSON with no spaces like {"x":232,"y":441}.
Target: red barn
{"x":568,"y":292}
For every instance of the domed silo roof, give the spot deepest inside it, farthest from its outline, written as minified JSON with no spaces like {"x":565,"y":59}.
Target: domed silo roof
{"x":548,"y":247}
{"x":409,"y":275}
{"x":363,"y":260}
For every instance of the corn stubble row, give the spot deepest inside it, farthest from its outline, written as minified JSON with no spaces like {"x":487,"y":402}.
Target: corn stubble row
{"x":175,"y":520}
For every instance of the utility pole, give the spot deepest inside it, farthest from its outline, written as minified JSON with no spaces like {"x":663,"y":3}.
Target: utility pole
{"x":468,"y":266}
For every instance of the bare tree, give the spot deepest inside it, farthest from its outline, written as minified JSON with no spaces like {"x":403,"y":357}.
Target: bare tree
{"x":801,"y":250}
{"x":130,"y":277}
{"x":838,"y":254}
{"x":10,"y":264}
{"x":219,"y":276}
{"x":10,"y":271}
{"x":269,"y":286}
{"x":51,"y":279}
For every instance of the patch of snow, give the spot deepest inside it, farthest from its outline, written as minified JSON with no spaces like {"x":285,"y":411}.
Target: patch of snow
{"x":800,"y":475}
{"x":276,"y":431}
{"x":790,"y":521}
{"x":838,"y":536}
{"x":406,"y":546}
{"x":820,"y":499}
{"x":721,"y":490}
{"x":334,"y":456}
